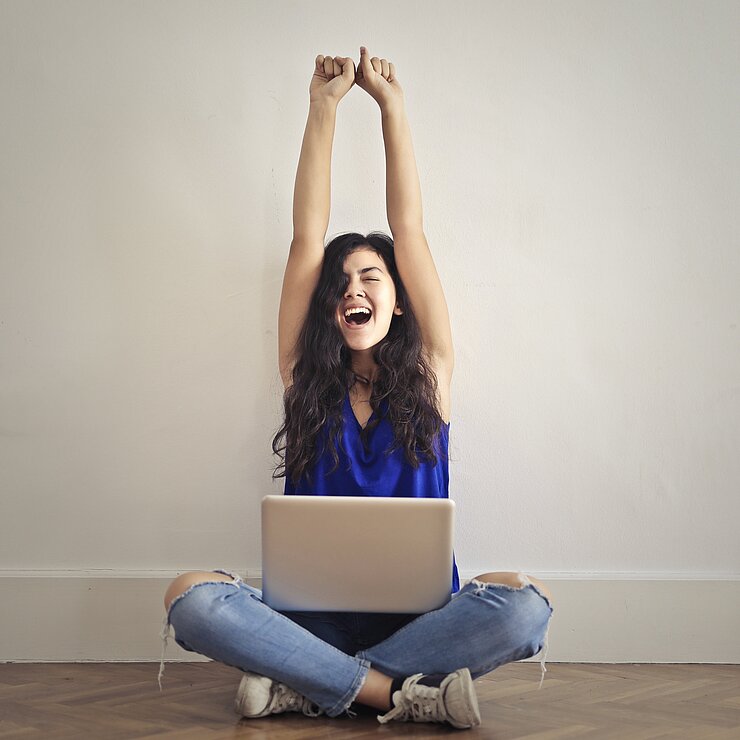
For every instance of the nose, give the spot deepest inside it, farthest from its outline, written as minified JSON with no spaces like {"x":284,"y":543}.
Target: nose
{"x":353,"y":290}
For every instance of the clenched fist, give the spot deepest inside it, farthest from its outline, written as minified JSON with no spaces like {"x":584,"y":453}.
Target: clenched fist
{"x":332,"y":78}
{"x":378,"y":78}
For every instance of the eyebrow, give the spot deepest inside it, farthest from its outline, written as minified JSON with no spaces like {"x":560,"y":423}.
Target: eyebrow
{"x":366,"y":269}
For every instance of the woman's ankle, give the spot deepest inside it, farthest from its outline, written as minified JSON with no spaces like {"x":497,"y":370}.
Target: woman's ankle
{"x":376,"y":691}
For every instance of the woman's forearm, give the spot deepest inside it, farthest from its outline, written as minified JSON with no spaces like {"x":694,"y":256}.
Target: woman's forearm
{"x":402,"y":188}
{"x":312,"y":194}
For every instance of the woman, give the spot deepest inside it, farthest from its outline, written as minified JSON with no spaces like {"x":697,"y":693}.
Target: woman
{"x":366,"y":359}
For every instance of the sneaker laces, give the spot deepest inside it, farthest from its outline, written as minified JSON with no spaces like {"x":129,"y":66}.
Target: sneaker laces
{"x":417,"y":703}
{"x":285,"y":699}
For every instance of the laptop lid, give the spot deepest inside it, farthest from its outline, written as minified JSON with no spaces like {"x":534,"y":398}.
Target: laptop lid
{"x":356,"y":553}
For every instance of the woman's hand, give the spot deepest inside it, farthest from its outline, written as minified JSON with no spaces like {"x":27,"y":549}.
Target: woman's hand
{"x":332,"y":78}
{"x":378,"y":78}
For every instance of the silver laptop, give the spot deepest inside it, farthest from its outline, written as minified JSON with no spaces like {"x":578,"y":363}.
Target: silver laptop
{"x":356,"y":553}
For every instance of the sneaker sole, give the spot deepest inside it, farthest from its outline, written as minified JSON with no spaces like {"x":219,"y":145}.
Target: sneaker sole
{"x":242,"y":695}
{"x":468,"y":689}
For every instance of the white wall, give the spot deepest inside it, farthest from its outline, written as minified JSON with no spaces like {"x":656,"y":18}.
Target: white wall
{"x":578,"y":163}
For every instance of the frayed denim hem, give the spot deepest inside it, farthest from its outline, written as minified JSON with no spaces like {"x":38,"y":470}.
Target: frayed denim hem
{"x":344,"y":704}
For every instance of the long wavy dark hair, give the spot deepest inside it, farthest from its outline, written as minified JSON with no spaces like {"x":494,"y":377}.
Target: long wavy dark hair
{"x":322,"y":373}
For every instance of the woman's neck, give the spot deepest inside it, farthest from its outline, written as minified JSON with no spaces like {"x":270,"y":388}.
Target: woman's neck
{"x":364,"y":366}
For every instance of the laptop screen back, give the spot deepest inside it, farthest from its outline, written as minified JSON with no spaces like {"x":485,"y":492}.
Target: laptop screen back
{"x":350,"y":553}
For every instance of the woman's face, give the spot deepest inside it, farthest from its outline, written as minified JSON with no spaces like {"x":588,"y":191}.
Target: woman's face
{"x":369,"y":301}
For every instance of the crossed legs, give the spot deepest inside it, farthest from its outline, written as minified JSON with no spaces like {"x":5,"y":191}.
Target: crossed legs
{"x":376,"y":685}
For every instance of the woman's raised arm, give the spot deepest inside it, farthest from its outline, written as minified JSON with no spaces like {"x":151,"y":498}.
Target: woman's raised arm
{"x":332,"y":79}
{"x":403,"y":205}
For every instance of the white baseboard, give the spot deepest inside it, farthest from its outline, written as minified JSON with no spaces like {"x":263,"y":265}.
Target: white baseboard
{"x":105,"y":615}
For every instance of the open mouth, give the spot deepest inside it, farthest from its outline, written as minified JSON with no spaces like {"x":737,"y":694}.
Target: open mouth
{"x":357,"y":316}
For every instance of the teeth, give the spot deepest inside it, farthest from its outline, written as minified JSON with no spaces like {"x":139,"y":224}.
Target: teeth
{"x":350,"y":311}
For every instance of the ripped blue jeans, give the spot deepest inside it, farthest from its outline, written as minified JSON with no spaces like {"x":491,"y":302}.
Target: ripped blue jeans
{"x":326,"y":655}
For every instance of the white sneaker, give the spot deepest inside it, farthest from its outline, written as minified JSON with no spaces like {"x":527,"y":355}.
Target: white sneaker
{"x":449,"y":698}
{"x":258,"y":696}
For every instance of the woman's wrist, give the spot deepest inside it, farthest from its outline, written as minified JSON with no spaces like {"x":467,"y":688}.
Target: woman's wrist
{"x":392,"y":109}
{"x":323,"y":105}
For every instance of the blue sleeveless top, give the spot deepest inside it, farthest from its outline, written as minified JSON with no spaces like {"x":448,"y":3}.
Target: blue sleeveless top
{"x":371,"y":471}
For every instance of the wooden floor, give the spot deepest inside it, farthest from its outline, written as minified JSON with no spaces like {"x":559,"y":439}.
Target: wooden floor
{"x":122,"y":700}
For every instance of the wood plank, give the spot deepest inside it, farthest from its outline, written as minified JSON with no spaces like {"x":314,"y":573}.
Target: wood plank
{"x":604,"y":701}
